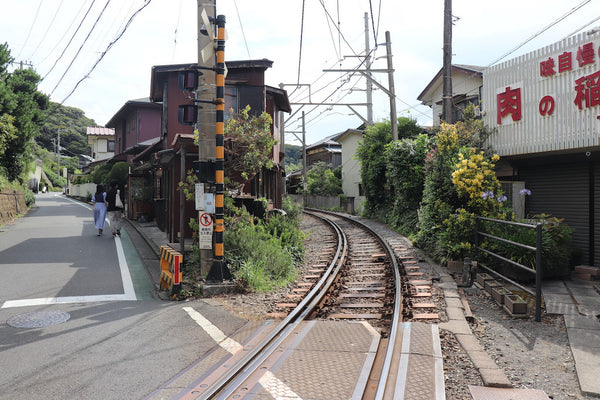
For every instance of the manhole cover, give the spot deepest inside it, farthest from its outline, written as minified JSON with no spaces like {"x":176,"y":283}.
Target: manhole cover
{"x":38,"y":319}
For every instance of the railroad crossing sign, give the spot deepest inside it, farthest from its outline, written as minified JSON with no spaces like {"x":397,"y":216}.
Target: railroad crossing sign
{"x":205,"y":231}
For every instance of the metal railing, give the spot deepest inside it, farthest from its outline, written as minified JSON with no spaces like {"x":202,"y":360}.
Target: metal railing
{"x":538,"y":258}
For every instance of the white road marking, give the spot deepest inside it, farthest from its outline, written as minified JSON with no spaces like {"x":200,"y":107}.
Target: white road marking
{"x":64,"y":300}
{"x":269,"y":382}
{"x":128,"y":295}
{"x":215,"y":333}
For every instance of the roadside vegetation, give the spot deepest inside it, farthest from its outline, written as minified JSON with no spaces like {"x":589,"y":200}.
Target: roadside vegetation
{"x":29,"y":126}
{"x":262,"y":248}
{"x":431,"y":186}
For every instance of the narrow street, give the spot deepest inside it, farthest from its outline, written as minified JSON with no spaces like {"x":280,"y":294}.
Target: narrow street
{"x":77,"y":315}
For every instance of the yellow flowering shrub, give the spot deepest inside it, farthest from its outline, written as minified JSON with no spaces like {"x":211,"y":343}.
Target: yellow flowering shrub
{"x":475,"y":180}
{"x":447,"y":138}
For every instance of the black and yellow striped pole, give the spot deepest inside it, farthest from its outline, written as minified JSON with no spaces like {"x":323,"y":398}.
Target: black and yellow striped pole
{"x":219,"y":270}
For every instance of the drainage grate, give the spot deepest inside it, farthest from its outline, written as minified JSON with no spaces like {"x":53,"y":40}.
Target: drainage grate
{"x":38,"y":319}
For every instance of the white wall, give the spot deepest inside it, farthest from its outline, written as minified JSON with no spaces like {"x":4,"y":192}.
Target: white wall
{"x":82,"y":189}
{"x":568,"y":127}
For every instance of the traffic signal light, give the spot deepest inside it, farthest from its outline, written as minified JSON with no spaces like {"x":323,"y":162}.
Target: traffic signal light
{"x":188,"y":114}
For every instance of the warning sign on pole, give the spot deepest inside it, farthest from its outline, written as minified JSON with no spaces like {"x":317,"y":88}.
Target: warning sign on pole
{"x":205,"y":232}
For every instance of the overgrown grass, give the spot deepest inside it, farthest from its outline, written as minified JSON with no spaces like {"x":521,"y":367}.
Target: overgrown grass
{"x":263,"y":254}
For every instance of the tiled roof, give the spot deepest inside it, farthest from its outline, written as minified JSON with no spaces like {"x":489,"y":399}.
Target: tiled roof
{"x":99,"y":131}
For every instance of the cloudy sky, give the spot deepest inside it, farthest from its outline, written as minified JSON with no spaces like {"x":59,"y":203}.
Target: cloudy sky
{"x":333,"y":35}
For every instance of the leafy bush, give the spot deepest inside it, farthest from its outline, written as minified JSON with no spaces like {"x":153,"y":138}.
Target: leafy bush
{"x":99,"y":174}
{"x":257,"y":259}
{"x":82,"y":179}
{"x":440,"y":198}
{"x":322,"y":181}
{"x":456,"y":237}
{"x":29,"y":197}
{"x":371,"y":152}
{"x":119,"y":173}
{"x":406,"y":177}
{"x":262,"y":253}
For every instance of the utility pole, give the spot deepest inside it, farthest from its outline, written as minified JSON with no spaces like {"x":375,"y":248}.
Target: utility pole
{"x":206,"y":93}
{"x":447,"y":114}
{"x":219,"y":270}
{"x":58,"y":153}
{"x":392,"y":92}
{"x":368,"y":72}
{"x":304,"y":172}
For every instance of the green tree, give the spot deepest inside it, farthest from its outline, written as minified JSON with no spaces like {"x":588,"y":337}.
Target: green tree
{"x":119,"y":173}
{"x":322,"y":180}
{"x":19,"y":98}
{"x":72,"y":124}
{"x":405,"y":175}
{"x":8,"y":132}
{"x":454,"y":187}
{"x":371,"y":153}
{"x":248,"y":146}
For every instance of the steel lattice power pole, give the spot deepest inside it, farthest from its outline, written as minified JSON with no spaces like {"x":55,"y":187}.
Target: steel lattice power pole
{"x":219,"y":270}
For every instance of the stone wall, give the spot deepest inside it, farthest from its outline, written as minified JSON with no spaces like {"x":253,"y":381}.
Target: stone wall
{"x":11,"y":205}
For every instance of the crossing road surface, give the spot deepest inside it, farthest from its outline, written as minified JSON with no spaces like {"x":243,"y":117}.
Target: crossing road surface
{"x":77,"y":315}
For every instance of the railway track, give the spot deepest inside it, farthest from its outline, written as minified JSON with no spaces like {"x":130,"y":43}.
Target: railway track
{"x":358,"y":278}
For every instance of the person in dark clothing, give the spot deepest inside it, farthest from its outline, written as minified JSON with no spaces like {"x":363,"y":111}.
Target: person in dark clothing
{"x":114,"y":208}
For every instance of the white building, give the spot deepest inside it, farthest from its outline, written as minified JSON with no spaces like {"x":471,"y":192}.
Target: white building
{"x":545,"y":109}
{"x":102,"y":142}
{"x":545,"y":106}
{"x":351,"y":179}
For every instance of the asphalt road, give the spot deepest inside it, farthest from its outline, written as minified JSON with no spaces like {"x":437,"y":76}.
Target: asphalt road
{"x":77,"y":315}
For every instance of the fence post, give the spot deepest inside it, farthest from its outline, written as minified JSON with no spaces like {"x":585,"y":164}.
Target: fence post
{"x":16,"y":201}
{"x":538,"y":272}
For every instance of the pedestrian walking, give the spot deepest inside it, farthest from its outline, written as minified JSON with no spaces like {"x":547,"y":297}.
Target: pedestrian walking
{"x":114,"y":203}
{"x":99,"y":202}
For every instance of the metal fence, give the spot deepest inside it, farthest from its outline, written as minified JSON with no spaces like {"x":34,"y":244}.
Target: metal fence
{"x":538,"y":257}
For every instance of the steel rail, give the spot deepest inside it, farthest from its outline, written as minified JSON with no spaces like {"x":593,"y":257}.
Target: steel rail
{"x":230,"y":381}
{"x":397,"y":314}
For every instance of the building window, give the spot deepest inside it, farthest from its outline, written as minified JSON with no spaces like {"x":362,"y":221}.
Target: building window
{"x":102,"y":145}
{"x":459,"y":106}
{"x":111,"y":145}
{"x":231,"y":101}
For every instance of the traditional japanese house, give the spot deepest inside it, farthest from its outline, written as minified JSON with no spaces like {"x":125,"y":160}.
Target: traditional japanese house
{"x":245,"y":85}
{"x":137,"y":127}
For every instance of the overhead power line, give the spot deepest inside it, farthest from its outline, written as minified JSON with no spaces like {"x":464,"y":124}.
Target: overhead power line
{"x":540,"y":32}
{"x":337,"y":27}
{"x":81,"y":47}
{"x":110,"y":45}
{"x":47,"y":29}
{"x":301,"y":39}
{"x":242,"y":28}
{"x":30,"y":28}
{"x":64,"y":34}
